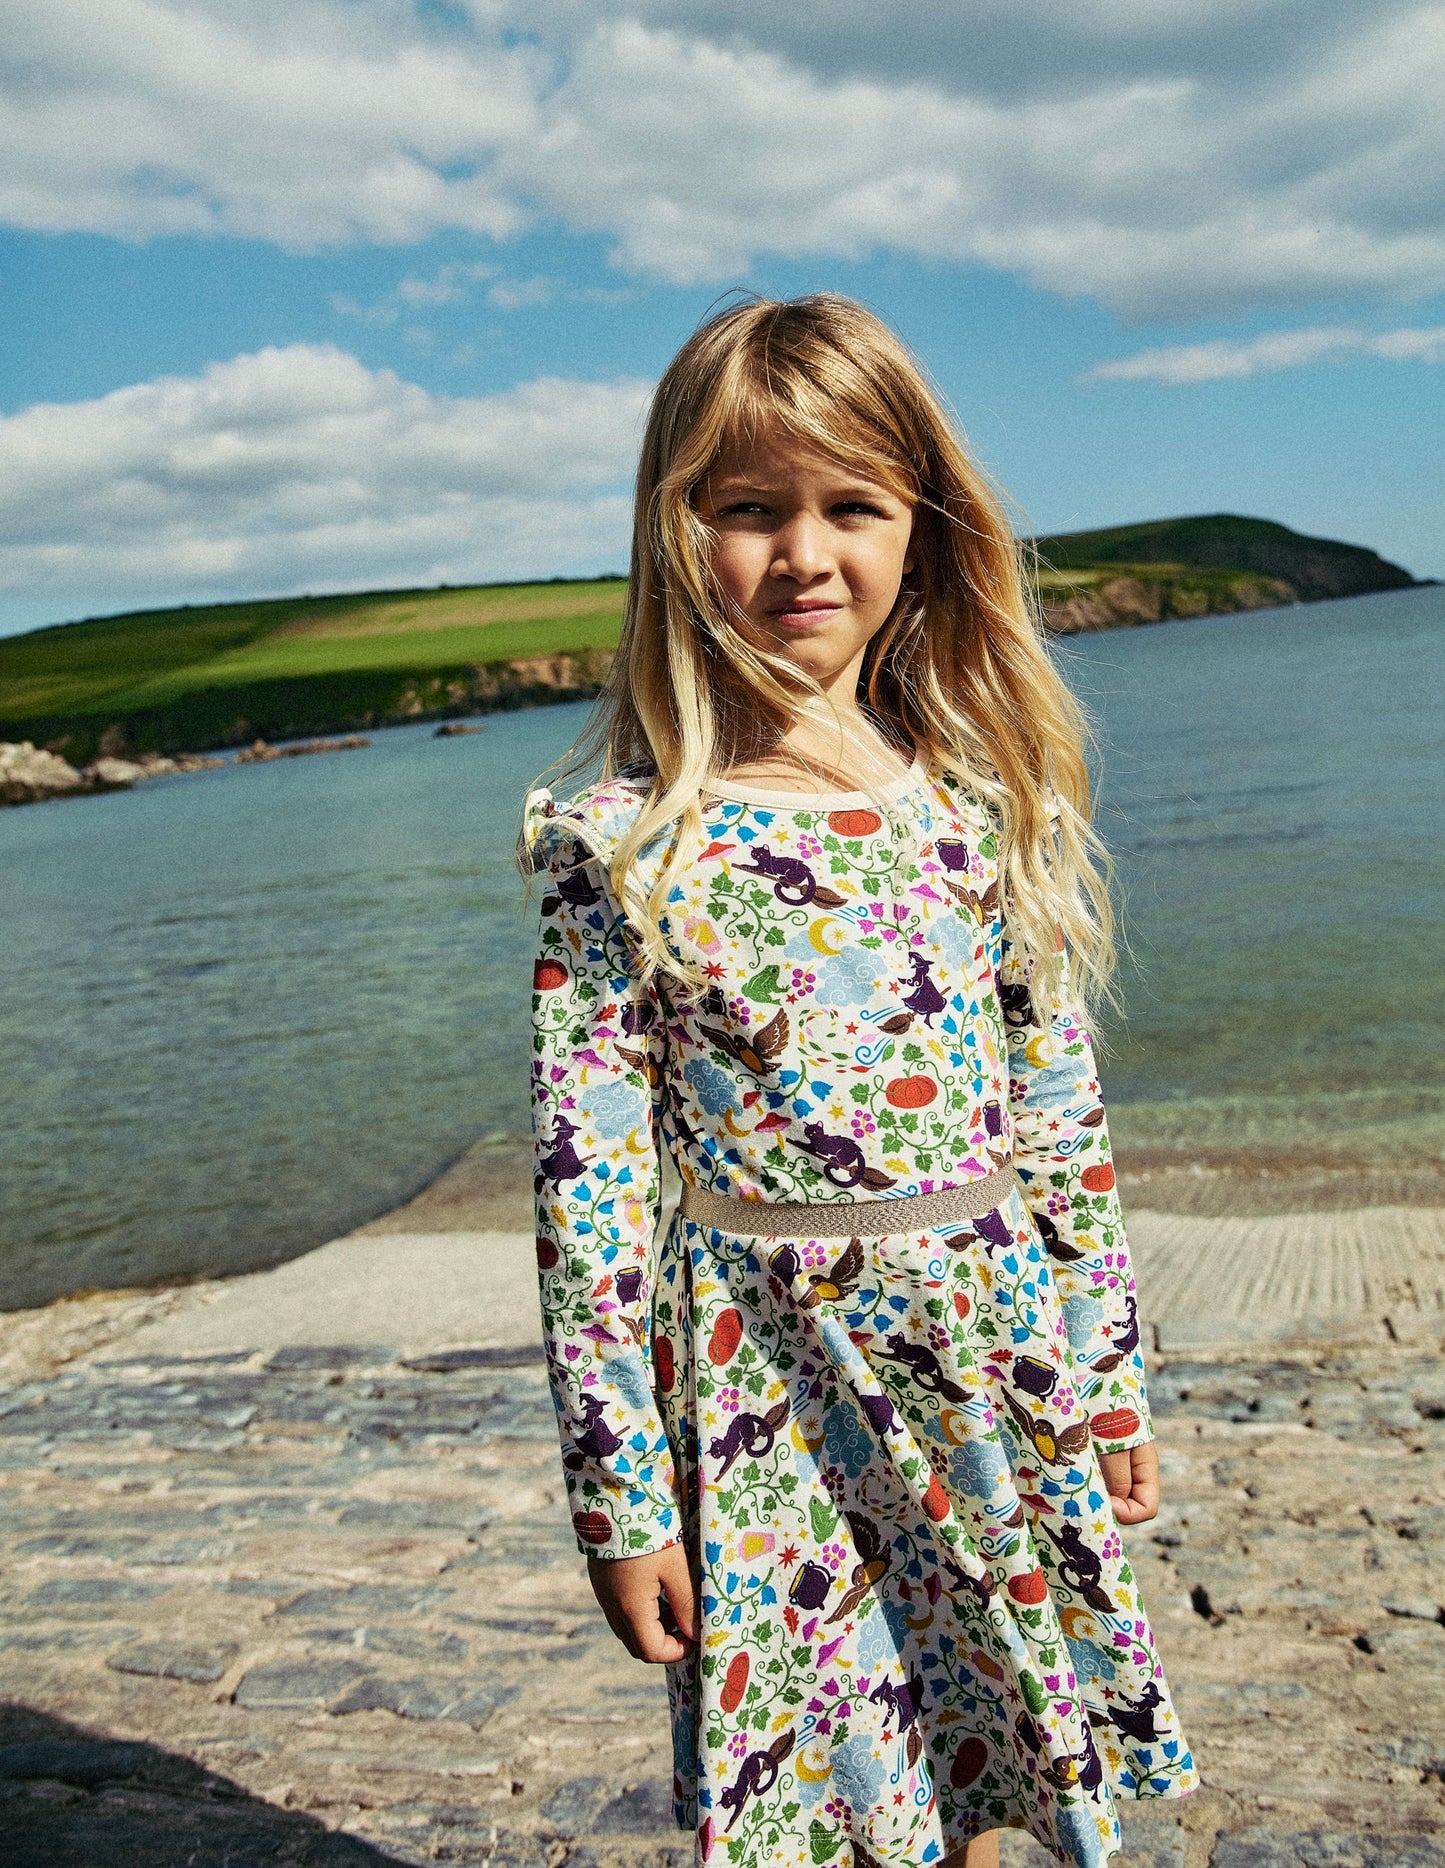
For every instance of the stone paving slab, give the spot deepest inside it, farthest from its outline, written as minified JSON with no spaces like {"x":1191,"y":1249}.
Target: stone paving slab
{"x":1266,"y":1848}
{"x":335,"y":1602}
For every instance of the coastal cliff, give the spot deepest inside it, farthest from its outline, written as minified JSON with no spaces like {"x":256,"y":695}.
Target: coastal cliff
{"x":1124,"y":596}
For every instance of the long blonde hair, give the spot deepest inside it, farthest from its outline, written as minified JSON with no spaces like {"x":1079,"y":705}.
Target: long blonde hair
{"x":959,"y":673}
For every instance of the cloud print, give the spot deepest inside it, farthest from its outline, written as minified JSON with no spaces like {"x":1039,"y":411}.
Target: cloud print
{"x":1275,"y":350}
{"x":297,"y":467}
{"x":1168,"y":161}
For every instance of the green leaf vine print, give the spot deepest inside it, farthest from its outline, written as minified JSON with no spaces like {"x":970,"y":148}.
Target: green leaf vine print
{"x":918,"y":1618}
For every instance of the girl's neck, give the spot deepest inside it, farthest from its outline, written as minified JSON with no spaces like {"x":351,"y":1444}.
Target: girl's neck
{"x":806,"y":758}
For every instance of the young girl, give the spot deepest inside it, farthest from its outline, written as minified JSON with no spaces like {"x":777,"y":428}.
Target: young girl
{"x":848,"y":1447}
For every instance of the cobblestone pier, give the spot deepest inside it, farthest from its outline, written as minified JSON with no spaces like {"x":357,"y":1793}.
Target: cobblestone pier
{"x":310,"y":1604}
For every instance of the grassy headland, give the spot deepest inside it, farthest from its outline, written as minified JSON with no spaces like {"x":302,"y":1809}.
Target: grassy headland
{"x":172,"y":680}
{"x":223,"y":674}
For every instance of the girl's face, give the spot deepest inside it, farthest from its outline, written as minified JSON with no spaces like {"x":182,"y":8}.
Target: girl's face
{"x":810,"y":551}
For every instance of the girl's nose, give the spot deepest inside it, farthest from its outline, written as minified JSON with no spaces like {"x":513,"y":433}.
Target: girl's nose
{"x":800,"y":549}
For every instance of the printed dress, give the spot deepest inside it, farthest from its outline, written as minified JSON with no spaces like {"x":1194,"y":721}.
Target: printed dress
{"x":918,"y":1618}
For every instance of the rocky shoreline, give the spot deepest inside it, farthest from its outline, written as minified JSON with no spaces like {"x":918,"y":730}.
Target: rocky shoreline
{"x":31,"y":775}
{"x":34,"y":775}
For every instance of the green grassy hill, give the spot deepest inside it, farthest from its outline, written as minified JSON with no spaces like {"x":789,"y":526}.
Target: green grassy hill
{"x":223,"y":674}
{"x":1314,"y":568}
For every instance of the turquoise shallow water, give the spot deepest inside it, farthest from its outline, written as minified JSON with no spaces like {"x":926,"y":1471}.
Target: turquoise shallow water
{"x":1274,"y":792}
{"x":248,"y":1009}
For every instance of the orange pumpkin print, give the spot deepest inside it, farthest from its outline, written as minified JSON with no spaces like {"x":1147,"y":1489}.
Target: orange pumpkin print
{"x":548,"y":975}
{"x":727,"y":1333}
{"x":547,"y":1254}
{"x":1030,"y":1589}
{"x":854,"y":823}
{"x":1098,"y":1179}
{"x":911,"y":1092}
{"x":593,"y":1527}
{"x":968,"y":1763}
{"x":736,"y":1683}
{"x":935,"y":1499}
{"x":1115,"y":1426}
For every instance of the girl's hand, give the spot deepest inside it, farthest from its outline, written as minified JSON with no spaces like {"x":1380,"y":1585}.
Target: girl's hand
{"x":629,"y":1589}
{"x":1132,"y":1480}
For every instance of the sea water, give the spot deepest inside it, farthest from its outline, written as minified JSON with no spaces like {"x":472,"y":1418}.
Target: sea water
{"x":247,"y":1009}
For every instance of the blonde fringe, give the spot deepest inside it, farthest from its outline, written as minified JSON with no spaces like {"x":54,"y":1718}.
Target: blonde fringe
{"x":960,"y":673}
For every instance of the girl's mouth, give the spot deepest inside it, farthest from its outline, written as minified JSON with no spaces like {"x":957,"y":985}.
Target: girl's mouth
{"x":799,"y":615}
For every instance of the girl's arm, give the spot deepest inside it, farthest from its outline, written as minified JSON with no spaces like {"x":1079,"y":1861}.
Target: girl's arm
{"x":597,"y":1050}
{"x":1062,"y":1156}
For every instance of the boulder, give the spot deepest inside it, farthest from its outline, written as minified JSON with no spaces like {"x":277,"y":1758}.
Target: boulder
{"x":113,"y":774}
{"x":28,"y":775}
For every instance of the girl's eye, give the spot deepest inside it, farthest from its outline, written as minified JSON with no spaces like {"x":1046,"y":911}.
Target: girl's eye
{"x":849,"y":508}
{"x":741,"y":509}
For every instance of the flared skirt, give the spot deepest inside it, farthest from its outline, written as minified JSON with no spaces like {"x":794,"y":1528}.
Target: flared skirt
{"x":919,"y":1621}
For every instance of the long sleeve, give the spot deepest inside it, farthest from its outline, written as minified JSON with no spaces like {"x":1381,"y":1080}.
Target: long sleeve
{"x":1062,"y":1156}
{"x":597,"y":1050}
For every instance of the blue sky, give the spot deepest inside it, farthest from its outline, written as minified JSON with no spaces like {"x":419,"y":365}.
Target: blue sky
{"x":375,"y":296}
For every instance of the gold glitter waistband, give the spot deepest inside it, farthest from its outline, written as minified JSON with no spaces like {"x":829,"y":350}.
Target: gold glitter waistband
{"x":841,"y":1219}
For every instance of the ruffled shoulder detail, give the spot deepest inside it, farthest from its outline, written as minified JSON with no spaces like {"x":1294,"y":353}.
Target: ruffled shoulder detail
{"x":559,"y":834}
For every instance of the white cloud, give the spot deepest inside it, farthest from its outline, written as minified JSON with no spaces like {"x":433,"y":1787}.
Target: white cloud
{"x":518,"y":294}
{"x":298,"y":468}
{"x":449,"y":285}
{"x":1168,"y":157}
{"x":1275,"y":350}
{"x":347,"y":121}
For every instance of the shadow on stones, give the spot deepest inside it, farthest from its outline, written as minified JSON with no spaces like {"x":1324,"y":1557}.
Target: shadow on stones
{"x":73,"y":1799}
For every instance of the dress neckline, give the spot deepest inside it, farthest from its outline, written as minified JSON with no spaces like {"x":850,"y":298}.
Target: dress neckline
{"x":741,"y":790}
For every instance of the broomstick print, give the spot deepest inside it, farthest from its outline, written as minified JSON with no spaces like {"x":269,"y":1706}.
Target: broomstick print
{"x":1053,"y":1244}
{"x":757,"y":1776}
{"x":752,"y":1434}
